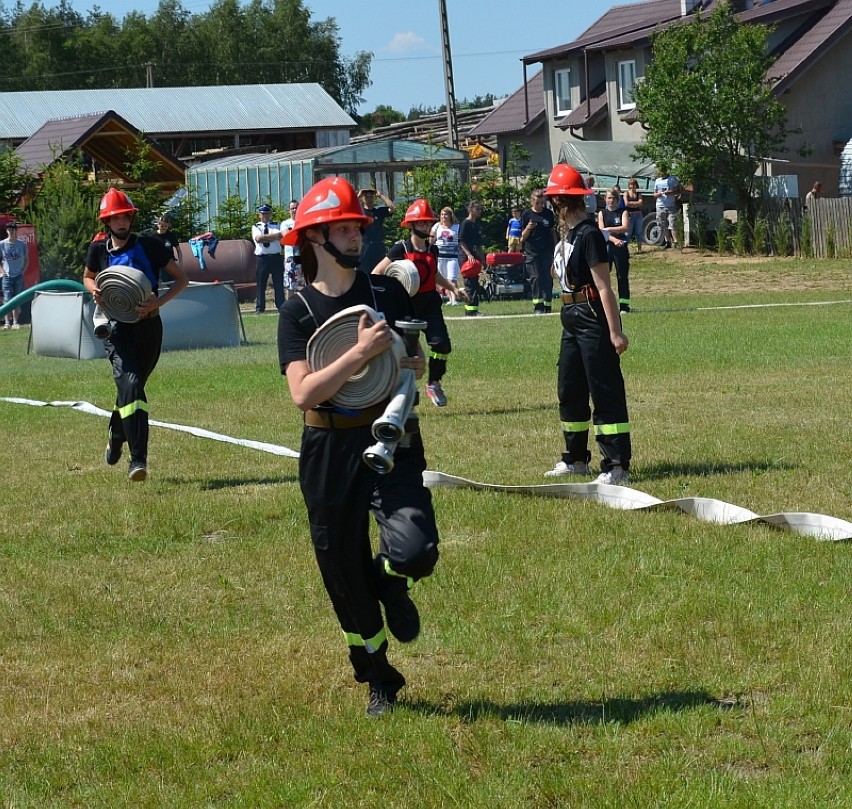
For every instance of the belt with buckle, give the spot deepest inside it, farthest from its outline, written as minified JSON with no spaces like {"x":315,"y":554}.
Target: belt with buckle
{"x":575,"y":296}
{"x":334,"y":420}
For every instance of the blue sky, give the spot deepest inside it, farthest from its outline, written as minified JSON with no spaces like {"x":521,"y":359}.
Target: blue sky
{"x":487,"y":40}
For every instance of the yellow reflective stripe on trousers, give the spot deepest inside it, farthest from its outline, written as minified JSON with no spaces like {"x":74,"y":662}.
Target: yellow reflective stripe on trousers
{"x":391,"y":572}
{"x":612,"y":429}
{"x":370,"y":644}
{"x":434,"y":355}
{"x":575,"y":426}
{"x":130,"y":409}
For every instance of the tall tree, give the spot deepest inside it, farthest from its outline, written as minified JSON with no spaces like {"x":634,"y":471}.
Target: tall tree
{"x":708,"y":107}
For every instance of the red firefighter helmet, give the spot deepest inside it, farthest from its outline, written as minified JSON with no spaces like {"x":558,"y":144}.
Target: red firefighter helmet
{"x":332,"y":199}
{"x":115,"y":202}
{"x":565,"y":179}
{"x":419,"y":211}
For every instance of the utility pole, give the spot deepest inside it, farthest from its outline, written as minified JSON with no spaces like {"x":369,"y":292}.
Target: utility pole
{"x":452,"y":121}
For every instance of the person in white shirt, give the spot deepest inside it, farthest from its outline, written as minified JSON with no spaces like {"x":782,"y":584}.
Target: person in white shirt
{"x":266,"y":236}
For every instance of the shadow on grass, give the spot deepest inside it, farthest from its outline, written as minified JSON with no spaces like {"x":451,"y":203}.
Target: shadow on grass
{"x":229,"y":483}
{"x":620,"y":710}
{"x":670,"y":470}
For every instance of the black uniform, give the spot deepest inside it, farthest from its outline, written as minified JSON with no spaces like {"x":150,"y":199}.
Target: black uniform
{"x":340,"y":491}
{"x":588,"y":362}
{"x":538,"y":256}
{"x":470,"y":233}
{"x":133,"y":348}
{"x":619,"y":257}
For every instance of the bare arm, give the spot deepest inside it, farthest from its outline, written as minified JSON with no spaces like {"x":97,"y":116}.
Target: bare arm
{"x":382,"y":266}
{"x":311,"y":388}
{"x":600,"y":275}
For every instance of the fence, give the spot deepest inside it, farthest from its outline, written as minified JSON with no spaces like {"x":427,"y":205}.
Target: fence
{"x":830,"y":225}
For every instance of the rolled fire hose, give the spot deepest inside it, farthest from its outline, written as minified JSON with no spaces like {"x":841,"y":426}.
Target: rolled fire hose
{"x":121,"y":292}
{"x":405,"y":272}
{"x":376,"y":380}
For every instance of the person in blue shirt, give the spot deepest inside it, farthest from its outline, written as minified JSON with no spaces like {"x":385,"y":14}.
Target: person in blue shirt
{"x":513,"y":231}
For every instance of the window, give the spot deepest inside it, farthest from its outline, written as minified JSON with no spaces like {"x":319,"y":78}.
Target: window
{"x":626,"y":83}
{"x":562,"y":91}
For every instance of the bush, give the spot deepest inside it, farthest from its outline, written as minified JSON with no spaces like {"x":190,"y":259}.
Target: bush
{"x":807,"y":237}
{"x":723,"y":235}
{"x":761,"y":236}
{"x":740,"y":236}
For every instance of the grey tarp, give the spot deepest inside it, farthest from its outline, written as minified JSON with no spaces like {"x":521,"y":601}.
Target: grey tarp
{"x":610,"y":162}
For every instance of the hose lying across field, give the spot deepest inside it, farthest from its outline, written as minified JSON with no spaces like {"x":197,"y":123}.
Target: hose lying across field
{"x":817,"y":526}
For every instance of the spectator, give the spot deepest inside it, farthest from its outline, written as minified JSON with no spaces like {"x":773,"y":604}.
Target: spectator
{"x":592,"y":199}
{"x":613,"y":223}
{"x":592,"y":339}
{"x":470,"y":243}
{"x":513,"y":231}
{"x":339,"y":489}
{"x":267,"y":256}
{"x":537,"y":240}
{"x":814,"y":193}
{"x":666,"y":192}
{"x":133,"y":348}
{"x":15,"y":256}
{"x":633,"y":203}
{"x":163,"y":232}
{"x":373,"y":248}
{"x":293,"y":280}
{"x":427,"y":302}
{"x":445,"y":236}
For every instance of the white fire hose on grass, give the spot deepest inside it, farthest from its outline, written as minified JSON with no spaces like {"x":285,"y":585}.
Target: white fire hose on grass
{"x":375,"y":381}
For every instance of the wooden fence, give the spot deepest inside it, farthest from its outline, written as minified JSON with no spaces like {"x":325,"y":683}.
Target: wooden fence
{"x":830,"y":225}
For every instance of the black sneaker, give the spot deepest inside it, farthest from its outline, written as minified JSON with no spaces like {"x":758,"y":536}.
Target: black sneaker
{"x":380,"y":702}
{"x":138,"y":471}
{"x":402,"y":617}
{"x":113,"y":453}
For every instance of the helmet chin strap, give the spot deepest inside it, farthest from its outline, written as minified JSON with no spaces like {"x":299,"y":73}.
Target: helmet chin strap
{"x":420,"y":233}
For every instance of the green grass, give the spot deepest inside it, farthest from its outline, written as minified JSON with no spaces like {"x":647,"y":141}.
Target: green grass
{"x":170,"y":643}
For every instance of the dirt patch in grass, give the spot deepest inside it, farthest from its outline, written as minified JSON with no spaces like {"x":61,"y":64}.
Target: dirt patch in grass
{"x":677,"y":271}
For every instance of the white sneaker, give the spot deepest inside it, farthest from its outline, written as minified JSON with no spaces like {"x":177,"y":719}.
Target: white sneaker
{"x":561,"y":469}
{"x":614,"y":477}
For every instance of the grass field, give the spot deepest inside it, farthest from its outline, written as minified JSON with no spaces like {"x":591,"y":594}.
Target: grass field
{"x":169,"y":644}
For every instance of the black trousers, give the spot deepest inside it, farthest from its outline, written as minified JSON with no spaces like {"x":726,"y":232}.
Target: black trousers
{"x":620,"y":258}
{"x":133,"y":350}
{"x":427,"y":306}
{"x":340,"y":492}
{"x":267,"y":267}
{"x":541,"y":279}
{"x":590,"y":367}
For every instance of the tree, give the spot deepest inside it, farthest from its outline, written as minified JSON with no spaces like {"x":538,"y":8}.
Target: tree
{"x":383,"y":115}
{"x":708,"y":107}
{"x":65,"y":215}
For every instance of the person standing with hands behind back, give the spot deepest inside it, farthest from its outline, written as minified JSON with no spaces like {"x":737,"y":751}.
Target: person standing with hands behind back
{"x":592,"y":339}
{"x":14,"y":257}
{"x":613,"y":223}
{"x":537,"y":240}
{"x":267,"y":256}
{"x":339,"y":489}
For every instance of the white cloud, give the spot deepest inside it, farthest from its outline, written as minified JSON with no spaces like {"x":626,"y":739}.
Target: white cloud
{"x":406,"y":43}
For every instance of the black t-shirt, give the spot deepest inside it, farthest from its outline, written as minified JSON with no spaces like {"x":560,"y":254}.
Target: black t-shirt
{"x":539,"y":242}
{"x":374,"y":233}
{"x":296,"y":323}
{"x":589,"y":250}
{"x":470,"y":234}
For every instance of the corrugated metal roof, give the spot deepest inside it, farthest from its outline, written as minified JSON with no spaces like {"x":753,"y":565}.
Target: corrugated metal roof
{"x":388,"y":151}
{"x":180,"y":110}
{"x":511,"y":115}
